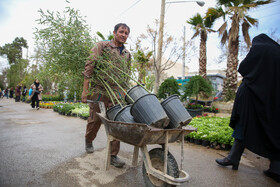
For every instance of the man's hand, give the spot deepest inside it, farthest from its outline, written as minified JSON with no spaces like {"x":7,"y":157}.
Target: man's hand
{"x":84,"y":96}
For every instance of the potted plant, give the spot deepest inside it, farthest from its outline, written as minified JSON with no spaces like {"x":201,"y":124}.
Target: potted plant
{"x":167,"y":88}
{"x":197,"y":86}
{"x":211,"y":109}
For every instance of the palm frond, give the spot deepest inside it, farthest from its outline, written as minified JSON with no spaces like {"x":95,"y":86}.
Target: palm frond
{"x":222,"y":28}
{"x":252,"y":21}
{"x":264,"y":2}
{"x":195,"y":20}
{"x":195,"y":34}
{"x":226,"y":3}
{"x":209,"y":21}
{"x":245,"y":32}
{"x":224,"y":37}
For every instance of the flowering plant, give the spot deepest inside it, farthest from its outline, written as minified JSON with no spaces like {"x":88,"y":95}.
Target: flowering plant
{"x":194,"y":106}
{"x":210,"y":109}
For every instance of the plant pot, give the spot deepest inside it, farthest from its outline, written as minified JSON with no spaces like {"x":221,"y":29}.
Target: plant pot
{"x":61,"y":113}
{"x":191,"y":140}
{"x":198,"y":141}
{"x":205,"y":143}
{"x":176,"y":112}
{"x":147,"y":109}
{"x":195,"y":112}
{"x":124,"y":115}
{"x":187,"y":138}
{"x":111,"y":112}
{"x":135,"y":93}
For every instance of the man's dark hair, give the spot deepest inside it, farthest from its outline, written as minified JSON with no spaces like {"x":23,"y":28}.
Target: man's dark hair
{"x":121,"y":25}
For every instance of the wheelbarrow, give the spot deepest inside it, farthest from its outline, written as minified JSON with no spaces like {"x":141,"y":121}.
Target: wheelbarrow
{"x":160,"y":167}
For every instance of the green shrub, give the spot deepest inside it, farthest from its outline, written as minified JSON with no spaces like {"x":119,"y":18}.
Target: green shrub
{"x":196,"y":86}
{"x":214,"y":129}
{"x":51,"y":98}
{"x":167,"y":88}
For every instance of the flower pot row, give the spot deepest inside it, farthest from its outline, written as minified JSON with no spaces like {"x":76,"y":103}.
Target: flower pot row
{"x":70,"y":109}
{"x":207,"y":143}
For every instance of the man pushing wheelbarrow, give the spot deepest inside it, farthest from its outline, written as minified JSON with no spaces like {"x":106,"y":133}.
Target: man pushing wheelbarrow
{"x":115,"y":51}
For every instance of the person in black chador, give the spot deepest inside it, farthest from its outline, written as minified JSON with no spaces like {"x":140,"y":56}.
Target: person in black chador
{"x":255,"y":115}
{"x":36,"y":95}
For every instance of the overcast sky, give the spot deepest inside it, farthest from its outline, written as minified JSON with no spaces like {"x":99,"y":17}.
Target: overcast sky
{"x":17,"y":19}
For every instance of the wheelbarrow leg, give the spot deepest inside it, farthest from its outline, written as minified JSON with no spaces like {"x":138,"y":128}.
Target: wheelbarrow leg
{"x":147,"y":160}
{"x":108,"y":152}
{"x":135,"y":156}
{"x":165,"y":152}
{"x":182,"y":151}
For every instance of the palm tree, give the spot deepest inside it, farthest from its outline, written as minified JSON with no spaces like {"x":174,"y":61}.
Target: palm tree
{"x":236,"y":12}
{"x":202,"y":26}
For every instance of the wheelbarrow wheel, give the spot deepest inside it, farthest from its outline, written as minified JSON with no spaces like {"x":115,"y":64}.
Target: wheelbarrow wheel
{"x":157,"y":160}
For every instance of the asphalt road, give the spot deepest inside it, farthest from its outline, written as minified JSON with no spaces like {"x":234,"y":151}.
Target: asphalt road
{"x":43,"y":148}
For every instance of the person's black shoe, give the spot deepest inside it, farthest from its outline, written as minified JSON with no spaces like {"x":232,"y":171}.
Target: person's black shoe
{"x":226,"y":162}
{"x":115,"y":161}
{"x":89,"y":147}
{"x":272,"y":175}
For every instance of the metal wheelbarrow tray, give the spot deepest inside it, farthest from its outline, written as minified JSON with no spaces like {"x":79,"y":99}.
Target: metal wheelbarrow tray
{"x":141,"y":135}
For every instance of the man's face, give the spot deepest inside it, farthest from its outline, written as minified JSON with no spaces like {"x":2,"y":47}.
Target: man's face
{"x":121,"y":35}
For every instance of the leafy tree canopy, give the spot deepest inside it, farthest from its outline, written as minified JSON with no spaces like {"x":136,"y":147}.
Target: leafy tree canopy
{"x":65,"y":41}
{"x":168,"y":87}
{"x":13,"y":51}
{"x":197,"y":85}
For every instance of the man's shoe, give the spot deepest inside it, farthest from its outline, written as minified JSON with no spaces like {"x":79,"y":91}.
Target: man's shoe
{"x":89,"y":147}
{"x":226,"y":162}
{"x":272,"y":175}
{"x":38,"y":108}
{"x":115,"y":161}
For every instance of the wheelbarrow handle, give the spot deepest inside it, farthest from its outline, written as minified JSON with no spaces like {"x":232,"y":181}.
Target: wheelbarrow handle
{"x":101,"y":105}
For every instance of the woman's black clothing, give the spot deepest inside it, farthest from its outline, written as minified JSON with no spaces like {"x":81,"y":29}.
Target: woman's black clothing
{"x":35,"y":99}
{"x":35,"y":96}
{"x":11,"y":93}
{"x":255,"y":115}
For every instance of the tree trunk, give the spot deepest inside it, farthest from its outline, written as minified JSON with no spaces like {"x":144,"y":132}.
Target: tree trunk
{"x":230,"y":84}
{"x":157,"y":80}
{"x":202,"y":55}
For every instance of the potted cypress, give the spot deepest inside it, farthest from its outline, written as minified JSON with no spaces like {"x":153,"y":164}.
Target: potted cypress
{"x":197,"y":86}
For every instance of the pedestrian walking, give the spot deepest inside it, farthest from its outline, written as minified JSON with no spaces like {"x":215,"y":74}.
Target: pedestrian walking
{"x":6,"y":93}
{"x":24,"y":91}
{"x":113,"y":49}
{"x":18,"y":93}
{"x":11,"y":93}
{"x":36,"y":95}
{"x":256,"y":108}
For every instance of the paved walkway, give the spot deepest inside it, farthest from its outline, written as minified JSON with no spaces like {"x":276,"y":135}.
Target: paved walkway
{"x":43,"y":148}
